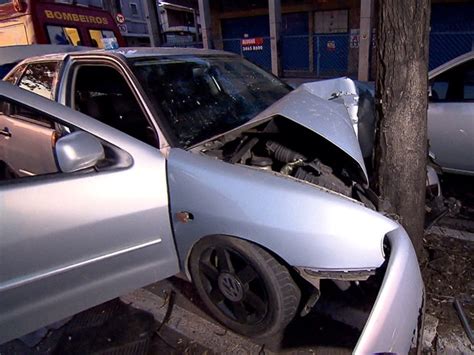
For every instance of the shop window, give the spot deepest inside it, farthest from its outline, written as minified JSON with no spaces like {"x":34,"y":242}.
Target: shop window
{"x":134,"y":9}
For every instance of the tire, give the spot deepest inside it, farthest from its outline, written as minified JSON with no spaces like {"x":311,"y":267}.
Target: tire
{"x":243,"y":286}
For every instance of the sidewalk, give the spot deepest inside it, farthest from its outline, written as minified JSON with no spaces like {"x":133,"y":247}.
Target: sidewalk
{"x":448,"y":273}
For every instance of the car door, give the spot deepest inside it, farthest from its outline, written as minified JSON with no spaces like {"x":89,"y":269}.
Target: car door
{"x":71,"y":240}
{"x":451,"y":118}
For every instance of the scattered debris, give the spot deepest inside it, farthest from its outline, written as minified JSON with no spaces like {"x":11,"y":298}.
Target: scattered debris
{"x":448,"y":273}
{"x":431,"y":325}
{"x":464,"y":321}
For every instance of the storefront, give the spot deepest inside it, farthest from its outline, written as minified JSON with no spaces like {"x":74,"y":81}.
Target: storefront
{"x":321,"y":38}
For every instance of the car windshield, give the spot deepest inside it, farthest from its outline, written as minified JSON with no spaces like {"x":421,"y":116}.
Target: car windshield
{"x":202,"y":96}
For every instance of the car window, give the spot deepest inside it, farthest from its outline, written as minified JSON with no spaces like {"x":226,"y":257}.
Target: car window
{"x":200,"y":97}
{"x":15,"y":74}
{"x":40,"y":78}
{"x":469,"y":84}
{"x":103,"y":93}
{"x":454,"y":85}
{"x":439,"y":90}
{"x":27,"y":143}
{"x":27,"y":140}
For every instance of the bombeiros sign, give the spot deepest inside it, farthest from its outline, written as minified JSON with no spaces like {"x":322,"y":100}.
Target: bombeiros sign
{"x":74,"y":17}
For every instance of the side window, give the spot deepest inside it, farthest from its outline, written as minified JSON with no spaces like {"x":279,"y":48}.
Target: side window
{"x":40,"y":78}
{"x":15,"y":75}
{"x":29,"y":140}
{"x":439,"y":88}
{"x":103,"y":93}
{"x":468,"y":87}
{"x":454,"y":85}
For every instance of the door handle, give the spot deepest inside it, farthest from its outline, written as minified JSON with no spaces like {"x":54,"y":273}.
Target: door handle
{"x":6,"y":132}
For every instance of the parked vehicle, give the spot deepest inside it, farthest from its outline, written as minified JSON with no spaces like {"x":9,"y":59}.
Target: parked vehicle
{"x":50,"y":22}
{"x":195,"y":161}
{"x":451,"y":114}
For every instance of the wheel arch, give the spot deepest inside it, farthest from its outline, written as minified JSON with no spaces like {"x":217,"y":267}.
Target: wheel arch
{"x":186,"y":259}
{"x":302,"y":224}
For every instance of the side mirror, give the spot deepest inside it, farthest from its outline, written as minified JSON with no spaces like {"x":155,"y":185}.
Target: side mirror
{"x":78,"y":151}
{"x":430,"y":91}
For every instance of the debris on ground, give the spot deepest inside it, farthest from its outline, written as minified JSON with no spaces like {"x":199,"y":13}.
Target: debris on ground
{"x":448,"y":273}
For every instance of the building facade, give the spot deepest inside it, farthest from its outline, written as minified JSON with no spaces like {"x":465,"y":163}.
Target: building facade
{"x":324,"y":38}
{"x":179,"y":24}
{"x":133,"y":19}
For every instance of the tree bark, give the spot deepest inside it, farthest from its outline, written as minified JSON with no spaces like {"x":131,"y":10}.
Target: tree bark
{"x":401,"y":109}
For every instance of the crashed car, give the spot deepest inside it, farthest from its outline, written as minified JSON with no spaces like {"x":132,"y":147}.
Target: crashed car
{"x":196,"y":161}
{"x":450,"y":113}
{"x":12,"y":55}
{"x":358,"y":98}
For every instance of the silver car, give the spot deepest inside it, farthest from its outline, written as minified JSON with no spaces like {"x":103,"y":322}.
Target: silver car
{"x":195,"y":161}
{"x":451,"y":114}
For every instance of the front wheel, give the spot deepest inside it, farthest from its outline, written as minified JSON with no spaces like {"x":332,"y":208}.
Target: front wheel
{"x":244,"y":287}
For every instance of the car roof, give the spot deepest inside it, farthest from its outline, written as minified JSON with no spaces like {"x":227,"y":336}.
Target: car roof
{"x":131,"y":52}
{"x":15,"y":54}
{"x":164,"y":51}
{"x":451,"y":64}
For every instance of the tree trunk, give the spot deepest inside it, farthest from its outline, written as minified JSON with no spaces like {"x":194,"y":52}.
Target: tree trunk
{"x":401,"y":109}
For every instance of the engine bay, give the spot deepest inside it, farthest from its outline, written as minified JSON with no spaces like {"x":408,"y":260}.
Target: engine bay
{"x":285,"y":147}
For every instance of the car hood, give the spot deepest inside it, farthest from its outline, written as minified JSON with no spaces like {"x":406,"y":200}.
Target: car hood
{"x":358,"y":99}
{"x":327,"y":119}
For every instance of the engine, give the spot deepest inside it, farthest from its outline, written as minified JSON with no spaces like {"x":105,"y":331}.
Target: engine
{"x":285,"y":147}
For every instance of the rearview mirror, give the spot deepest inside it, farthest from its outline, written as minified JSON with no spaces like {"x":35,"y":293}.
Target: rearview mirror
{"x":78,"y":151}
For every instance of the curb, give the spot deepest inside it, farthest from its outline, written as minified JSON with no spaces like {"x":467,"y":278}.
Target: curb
{"x":207,"y":334}
{"x":451,"y":233}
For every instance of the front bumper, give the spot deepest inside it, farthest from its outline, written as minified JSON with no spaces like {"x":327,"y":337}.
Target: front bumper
{"x":396,"y":317}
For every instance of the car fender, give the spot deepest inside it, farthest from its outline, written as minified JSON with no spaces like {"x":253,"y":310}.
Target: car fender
{"x":302,"y":223}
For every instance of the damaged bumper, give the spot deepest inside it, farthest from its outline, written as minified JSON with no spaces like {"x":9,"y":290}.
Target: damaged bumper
{"x":394,"y":323}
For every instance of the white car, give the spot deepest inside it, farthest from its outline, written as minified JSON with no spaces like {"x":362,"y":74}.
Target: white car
{"x":451,"y":114}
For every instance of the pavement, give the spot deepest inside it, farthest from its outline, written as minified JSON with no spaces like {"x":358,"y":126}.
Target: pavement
{"x":448,"y":273}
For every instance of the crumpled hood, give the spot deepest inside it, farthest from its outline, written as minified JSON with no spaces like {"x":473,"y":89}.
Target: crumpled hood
{"x":329,"y":120}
